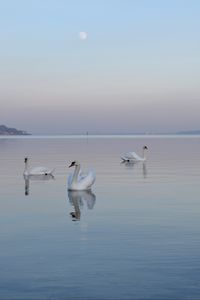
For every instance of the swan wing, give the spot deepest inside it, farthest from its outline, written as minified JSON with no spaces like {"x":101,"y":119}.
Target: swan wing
{"x":86,"y":180}
{"x":40,"y":170}
{"x":131,"y":156}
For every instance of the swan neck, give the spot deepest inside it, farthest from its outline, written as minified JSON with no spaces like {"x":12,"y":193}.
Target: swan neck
{"x":76,"y":172}
{"x":26,"y":166}
{"x":144,"y":154}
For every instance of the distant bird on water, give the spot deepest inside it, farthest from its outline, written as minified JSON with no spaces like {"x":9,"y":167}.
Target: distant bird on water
{"x":133,"y":157}
{"x":36,"y":170}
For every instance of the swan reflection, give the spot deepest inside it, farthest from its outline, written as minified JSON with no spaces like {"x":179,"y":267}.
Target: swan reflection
{"x":28,"y":178}
{"x":78,"y":199}
{"x":144,"y":170}
{"x":133,"y":164}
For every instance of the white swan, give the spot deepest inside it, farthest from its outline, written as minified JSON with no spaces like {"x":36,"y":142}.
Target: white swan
{"x":36,"y":170}
{"x":79,"y":181}
{"x":133,"y":157}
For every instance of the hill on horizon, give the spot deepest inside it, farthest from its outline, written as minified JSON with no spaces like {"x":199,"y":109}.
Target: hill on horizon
{"x":4,"y":130}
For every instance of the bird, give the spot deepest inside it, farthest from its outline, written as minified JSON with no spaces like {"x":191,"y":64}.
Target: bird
{"x":79,"y":181}
{"x":37,"y":170}
{"x":133,"y":157}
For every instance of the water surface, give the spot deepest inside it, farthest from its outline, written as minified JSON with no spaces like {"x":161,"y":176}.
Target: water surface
{"x":134,"y":236}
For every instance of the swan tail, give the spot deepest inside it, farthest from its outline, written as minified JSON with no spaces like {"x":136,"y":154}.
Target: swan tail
{"x":52,"y":171}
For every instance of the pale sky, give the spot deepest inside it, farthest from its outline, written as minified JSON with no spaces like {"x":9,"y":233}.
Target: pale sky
{"x":102,"y":66}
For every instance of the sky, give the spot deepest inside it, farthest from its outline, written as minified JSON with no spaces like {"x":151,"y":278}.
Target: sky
{"x":135,"y":67}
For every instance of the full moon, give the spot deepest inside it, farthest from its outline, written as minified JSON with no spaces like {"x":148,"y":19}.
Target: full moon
{"x":83,"y":35}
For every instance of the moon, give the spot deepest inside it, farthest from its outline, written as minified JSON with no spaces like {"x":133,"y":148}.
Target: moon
{"x":83,"y":35}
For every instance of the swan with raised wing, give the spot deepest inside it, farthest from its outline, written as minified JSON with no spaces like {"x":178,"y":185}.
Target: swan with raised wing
{"x":36,"y":170}
{"x":78,"y":180}
{"x":133,"y":157}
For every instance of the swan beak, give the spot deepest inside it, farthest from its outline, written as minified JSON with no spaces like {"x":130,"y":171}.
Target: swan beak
{"x":72,"y":164}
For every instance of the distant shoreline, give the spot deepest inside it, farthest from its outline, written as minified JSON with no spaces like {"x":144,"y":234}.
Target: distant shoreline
{"x":10,"y":131}
{"x":84,"y":136}
{"x":13,"y":132}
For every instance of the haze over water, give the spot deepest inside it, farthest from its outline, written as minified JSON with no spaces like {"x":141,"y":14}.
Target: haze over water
{"x":137,"y":232}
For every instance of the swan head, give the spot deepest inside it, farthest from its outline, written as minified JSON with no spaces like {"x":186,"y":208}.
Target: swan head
{"x":74,"y":163}
{"x":145,"y":148}
{"x":25,"y":159}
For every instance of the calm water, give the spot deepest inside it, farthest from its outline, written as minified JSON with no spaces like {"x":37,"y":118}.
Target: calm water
{"x":136,"y":235}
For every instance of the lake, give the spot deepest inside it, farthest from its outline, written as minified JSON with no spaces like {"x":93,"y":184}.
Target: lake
{"x":135,"y":235}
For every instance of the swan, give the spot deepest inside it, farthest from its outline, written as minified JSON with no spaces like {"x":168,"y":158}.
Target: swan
{"x":133,"y":157}
{"x":79,"y":181}
{"x":36,"y":170}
